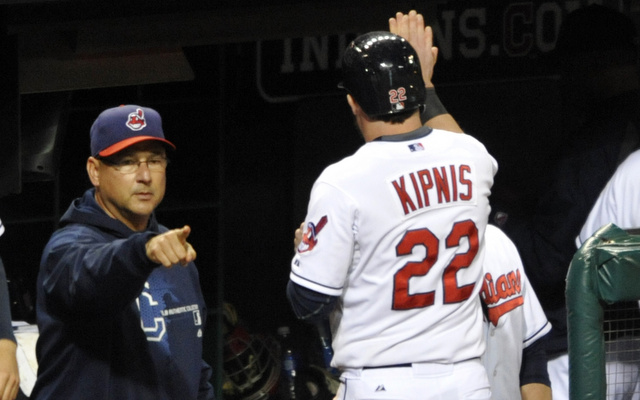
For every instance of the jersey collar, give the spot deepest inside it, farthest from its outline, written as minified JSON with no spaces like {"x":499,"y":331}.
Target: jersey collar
{"x":413,"y":135}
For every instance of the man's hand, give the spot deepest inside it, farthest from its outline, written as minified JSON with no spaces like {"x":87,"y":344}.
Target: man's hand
{"x":535,"y":391}
{"x":9,"y":374}
{"x":171,"y":248}
{"x":411,"y":27}
{"x":297,"y":237}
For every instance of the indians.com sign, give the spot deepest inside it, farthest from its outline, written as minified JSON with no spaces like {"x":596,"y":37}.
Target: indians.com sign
{"x":502,"y":41}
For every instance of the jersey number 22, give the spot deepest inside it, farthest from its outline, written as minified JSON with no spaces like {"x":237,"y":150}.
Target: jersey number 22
{"x":402,"y":299}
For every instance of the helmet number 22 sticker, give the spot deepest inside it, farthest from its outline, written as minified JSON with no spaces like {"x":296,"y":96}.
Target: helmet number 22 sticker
{"x":397,"y":95}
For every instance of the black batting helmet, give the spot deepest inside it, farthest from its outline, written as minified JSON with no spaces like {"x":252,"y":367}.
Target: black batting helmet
{"x":382,"y":72}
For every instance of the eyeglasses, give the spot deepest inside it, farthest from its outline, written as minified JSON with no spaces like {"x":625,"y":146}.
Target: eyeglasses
{"x":131,"y":165}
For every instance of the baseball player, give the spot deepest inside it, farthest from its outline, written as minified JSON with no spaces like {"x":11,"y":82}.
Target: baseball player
{"x":515,"y":331}
{"x":515,"y":324}
{"x":394,"y":240}
{"x":618,"y":201}
{"x":598,"y":85}
{"x":618,"y":204}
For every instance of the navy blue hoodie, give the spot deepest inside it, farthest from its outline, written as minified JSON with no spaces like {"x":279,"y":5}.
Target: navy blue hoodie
{"x":113,"y":324}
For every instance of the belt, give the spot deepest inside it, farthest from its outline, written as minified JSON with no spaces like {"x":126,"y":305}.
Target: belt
{"x":407,"y":365}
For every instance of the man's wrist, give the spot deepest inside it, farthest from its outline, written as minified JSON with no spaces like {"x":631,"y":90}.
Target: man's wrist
{"x":433,"y":106}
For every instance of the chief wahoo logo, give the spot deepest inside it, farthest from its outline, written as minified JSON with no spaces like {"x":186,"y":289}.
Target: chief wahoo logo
{"x":136,"y":120}
{"x":310,"y":237}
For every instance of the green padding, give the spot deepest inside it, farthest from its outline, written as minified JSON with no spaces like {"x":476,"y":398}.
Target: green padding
{"x":605,"y":269}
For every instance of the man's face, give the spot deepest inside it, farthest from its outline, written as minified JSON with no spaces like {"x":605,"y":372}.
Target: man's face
{"x":131,"y":196}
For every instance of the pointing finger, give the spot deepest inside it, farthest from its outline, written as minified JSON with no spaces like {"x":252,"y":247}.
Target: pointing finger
{"x":183,"y":233}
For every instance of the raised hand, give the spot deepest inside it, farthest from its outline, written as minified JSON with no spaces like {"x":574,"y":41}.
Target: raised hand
{"x":412,"y":27}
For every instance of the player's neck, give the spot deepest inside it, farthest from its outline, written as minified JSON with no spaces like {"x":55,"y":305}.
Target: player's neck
{"x":375,"y":129}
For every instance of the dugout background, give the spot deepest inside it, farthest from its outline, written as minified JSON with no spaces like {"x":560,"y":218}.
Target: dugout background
{"x":251,"y":138}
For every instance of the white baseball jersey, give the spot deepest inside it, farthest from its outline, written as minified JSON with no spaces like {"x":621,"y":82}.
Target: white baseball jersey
{"x":516,"y":318}
{"x":397,"y":231}
{"x":618,"y":202}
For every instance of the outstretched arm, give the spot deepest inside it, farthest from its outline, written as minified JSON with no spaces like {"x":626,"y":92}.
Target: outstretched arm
{"x":412,"y":27}
{"x":9,"y":375}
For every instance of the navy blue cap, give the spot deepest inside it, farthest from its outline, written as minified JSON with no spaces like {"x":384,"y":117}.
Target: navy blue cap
{"x":120,"y":127}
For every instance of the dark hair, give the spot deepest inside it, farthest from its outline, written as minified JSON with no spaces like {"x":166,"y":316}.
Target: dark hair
{"x":397,"y":118}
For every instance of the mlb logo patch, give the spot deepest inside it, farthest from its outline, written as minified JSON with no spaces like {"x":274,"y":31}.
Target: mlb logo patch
{"x":416,"y":147}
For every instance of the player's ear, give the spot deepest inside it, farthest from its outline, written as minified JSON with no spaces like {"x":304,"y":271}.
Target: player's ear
{"x":93,"y":170}
{"x":357,"y":111}
{"x":353,"y":104}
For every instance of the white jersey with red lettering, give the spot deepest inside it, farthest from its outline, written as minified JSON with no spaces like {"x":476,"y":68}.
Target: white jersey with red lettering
{"x":618,"y":202}
{"x":397,"y":232}
{"x":515,"y":317}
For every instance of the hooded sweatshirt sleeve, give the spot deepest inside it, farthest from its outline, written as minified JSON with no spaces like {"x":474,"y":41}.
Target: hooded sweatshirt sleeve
{"x":85,"y":272}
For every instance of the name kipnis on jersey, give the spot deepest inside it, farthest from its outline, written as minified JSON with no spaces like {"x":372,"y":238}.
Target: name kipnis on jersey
{"x":434,"y":187}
